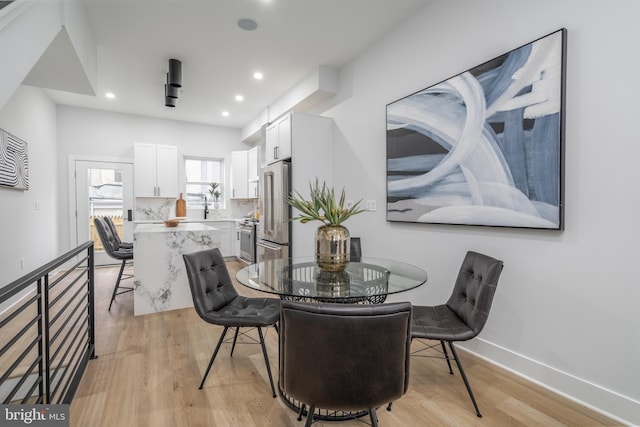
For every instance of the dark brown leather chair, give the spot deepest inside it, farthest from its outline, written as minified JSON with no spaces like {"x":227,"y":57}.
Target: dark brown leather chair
{"x":465,"y":313}
{"x":217,"y":302}
{"x":355,"y":249}
{"x":344,"y":357}
{"x":113,"y":249}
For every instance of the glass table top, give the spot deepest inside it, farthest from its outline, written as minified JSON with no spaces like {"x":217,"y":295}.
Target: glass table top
{"x":368,"y":281}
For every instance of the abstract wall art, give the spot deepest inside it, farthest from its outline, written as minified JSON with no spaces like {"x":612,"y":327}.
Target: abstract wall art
{"x":14,"y":162}
{"x":484,"y":147}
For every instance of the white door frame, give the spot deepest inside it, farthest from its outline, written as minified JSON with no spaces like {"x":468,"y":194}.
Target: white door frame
{"x":71,"y":167}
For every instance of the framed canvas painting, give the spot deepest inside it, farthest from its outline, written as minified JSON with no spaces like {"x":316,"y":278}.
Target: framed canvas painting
{"x":484,"y":147}
{"x":14,"y":162}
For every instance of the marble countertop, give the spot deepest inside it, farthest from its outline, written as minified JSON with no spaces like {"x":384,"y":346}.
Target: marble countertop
{"x":182,"y":227}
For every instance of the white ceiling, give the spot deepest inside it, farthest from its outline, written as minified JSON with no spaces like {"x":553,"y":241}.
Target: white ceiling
{"x":136,"y":38}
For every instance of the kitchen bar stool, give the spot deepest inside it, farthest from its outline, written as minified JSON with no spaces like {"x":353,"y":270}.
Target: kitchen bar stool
{"x":114,"y":231}
{"x":116,"y":252}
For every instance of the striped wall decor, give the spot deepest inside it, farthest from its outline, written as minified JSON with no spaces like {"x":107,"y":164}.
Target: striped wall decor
{"x":14,"y":162}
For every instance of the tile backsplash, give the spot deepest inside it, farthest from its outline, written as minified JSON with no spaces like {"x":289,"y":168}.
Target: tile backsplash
{"x":157,"y":208}
{"x":154,"y":208}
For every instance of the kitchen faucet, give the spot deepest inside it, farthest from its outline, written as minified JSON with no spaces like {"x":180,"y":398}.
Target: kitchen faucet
{"x":206,"y":207}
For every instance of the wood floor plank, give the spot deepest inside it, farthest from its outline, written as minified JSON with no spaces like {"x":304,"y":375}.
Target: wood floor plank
{"x":149,"y":367}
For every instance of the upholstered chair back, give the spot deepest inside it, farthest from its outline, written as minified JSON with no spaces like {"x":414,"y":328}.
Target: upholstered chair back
{"x":209,"y":280}
{"x":345,"y":356}
{"x":474,"y":289}
{"x":108,"y":241}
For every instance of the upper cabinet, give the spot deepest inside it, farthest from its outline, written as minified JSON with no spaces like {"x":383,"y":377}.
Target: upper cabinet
{"x":239,"y":177}
{"x":278,"y":140}
{"x":244,"y":174}
{"x":155,"y":170}
{"x":253,"y":157}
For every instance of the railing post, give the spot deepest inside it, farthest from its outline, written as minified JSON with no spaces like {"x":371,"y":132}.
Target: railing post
{"x":91,"y":296}
{"x":41,"y":372}
{"x":47,"y":350}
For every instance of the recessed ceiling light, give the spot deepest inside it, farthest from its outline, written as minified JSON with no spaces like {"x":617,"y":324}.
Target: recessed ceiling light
{"x":247,"y":24}
{"x":239,"y":98}
{"x":110,"y":95}
{"x":257,"y":75}
{"x":225,"y":114}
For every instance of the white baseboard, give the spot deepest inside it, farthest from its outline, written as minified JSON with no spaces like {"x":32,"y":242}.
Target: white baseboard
{"x":607,"y":402}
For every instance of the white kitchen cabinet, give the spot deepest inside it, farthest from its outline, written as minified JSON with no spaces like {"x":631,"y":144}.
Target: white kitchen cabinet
{"x":227,"y":237}
{"x":253,"y":170}
{"x":278,"y":139}
{"x":244,"y":174}
{"x":236,"y":240}
{"x":239,"y":175}
{"x":155,"y":170}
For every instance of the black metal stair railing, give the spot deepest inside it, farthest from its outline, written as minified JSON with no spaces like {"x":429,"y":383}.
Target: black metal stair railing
{"x":47,"y":336}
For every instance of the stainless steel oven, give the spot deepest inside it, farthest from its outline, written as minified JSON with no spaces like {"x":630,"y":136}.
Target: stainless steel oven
{"x":247,"y":237}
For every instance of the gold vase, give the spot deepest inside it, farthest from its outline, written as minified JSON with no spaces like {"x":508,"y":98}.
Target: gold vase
{"x":332,"y":283}
{"x":332,"y":244}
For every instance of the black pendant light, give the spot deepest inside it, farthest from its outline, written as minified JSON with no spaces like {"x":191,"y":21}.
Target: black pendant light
{"x":175,"y":73}
{"x":174,"y":81}
{"x":170,"y":91}
{"x":170,"y":102}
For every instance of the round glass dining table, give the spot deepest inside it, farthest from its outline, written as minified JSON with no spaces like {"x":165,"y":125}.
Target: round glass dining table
{"x":368,"y":281}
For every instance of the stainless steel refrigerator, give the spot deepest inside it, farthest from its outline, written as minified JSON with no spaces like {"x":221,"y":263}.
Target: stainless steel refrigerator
{"x":274,"y":230}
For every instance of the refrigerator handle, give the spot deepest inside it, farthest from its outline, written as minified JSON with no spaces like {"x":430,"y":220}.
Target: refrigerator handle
{"x":269,"y":202}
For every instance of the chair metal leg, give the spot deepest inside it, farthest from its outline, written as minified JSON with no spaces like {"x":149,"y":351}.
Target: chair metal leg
{"x":213,"y":357}
{"x":266,"y":360}
{"x":374,"y":417}
{"x":117,"y":286}
{"x":464,"y":378}
{"x":235,"y":338}
{"x":301,"y":411}
{"x":446,"y":356}
{"x":310,"y":412}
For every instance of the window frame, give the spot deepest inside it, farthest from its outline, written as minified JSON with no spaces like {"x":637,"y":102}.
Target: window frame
{"x":210,"y":202}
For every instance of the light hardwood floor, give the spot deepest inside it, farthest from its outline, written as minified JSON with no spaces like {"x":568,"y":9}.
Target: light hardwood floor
{"x":149,"y":367}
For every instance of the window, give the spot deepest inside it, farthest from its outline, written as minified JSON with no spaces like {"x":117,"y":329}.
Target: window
{"x":200,"y":173}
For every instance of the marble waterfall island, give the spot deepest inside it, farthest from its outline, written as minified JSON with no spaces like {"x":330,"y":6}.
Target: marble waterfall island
{"x":160,"y":278}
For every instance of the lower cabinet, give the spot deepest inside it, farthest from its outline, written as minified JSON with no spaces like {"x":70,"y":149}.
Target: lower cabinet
{"x":227,"y":237}
{"x":236,"y":241}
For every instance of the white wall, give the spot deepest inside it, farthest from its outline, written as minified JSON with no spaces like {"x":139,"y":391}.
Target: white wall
{"x":26,"y":31}
{"x":566,"y":310}
{"x":77,"y":26}
{"x":93,"y":133}
{"x":25,"y":232}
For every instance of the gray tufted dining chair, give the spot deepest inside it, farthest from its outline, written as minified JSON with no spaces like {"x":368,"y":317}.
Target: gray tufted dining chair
{"x":217,"y":302}
{"x":464,"y":314}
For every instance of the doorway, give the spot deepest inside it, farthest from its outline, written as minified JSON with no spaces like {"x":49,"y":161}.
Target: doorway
{"x":102,"y":188}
